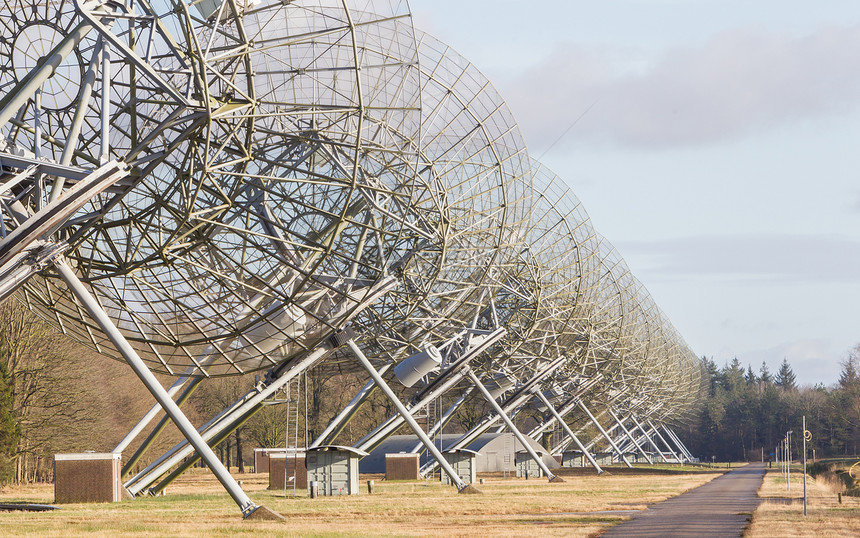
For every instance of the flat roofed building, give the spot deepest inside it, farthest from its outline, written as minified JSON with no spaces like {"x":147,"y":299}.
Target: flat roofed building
{"x":462,"y":460}
{"x":334,"y":468}
{"x":88,"y":477}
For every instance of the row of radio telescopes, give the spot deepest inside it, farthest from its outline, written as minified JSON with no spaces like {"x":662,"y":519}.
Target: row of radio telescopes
{"x":229,"y":186}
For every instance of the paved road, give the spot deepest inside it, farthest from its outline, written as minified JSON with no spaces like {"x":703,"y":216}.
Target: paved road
{"x":722,"y":507}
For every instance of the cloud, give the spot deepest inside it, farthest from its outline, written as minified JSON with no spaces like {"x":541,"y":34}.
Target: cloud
{"x":736,"y":83}
{"x":815,"y":258}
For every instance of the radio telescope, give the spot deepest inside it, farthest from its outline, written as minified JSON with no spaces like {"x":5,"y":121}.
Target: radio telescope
{"x":263,"y":231}
{"x":546,"y":305}
{"x":472,"y":146}
{"x":271,"y":170}
{"x":471,"y":149}
{"x":235,"y":183}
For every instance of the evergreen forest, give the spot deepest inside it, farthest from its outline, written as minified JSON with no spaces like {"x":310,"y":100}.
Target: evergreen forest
{"x":747,"y":412}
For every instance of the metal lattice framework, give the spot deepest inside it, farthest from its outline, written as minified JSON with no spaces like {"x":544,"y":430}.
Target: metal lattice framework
{"x":471,"y":146}
{"x":215,"y":187}
{"x":561,"y":257}
{"x":263,"y":231}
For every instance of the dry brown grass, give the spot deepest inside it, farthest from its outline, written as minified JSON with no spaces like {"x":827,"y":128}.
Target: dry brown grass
{"x":197,"y":506}
{"x":782,"y":514}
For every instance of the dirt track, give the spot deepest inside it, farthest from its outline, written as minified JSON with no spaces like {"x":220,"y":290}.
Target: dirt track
{"x":722,"y":507}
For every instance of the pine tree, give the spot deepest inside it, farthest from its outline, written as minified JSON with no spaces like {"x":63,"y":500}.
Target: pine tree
{"x":785,"y":378}
{"x":712,"y":373}
{"x":847,"y":402}
{"x":764,"y":374}
{"x":750,"y":376}
{"x":848,"y":378}
{"x":733,"y":376}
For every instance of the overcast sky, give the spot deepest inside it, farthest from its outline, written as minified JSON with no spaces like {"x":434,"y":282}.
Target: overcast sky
{"x":714,"y":142}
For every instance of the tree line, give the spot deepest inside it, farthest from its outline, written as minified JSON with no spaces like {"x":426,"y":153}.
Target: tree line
{"x":58,"y":396}
{"x":746,"y":413}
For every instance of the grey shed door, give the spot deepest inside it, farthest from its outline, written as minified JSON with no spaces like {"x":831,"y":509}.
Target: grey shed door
{"x":339,"y":478}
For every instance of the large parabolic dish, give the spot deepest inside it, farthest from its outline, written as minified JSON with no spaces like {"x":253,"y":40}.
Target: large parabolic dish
{"x":260,"y":232}
{"x":472,"y":148}
{"x":546,"y":304}
{"x":147,"y":69}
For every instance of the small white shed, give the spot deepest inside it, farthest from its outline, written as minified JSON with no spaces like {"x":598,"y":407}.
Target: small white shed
{"x":572,"y":458}
{"x":334,"y":468}
{"x":528,"y":467}
{"x":463,"y":462}
{"x":604,"y":458}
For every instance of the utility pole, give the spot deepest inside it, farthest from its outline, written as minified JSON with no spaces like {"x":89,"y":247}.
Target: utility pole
{"x":782,"y":458}
{"x":788,"y":458}
{"x":805,"y":435}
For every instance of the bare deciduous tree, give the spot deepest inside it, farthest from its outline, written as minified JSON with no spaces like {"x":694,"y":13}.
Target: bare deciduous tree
{"x":52,"y":398}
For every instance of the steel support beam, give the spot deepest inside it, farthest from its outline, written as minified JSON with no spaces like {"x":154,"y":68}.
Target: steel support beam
{"x":49,"y":218}
{"x":630,"y":437}
{"x":566,"y":440}
{"x":599,"y":436}
{"x":252,"y":400}
{"x":78,"y":119}
{"x":446,"y":417}
{"x":605,"y":435}
{"x":682,"y":456}
{"x":147,"y":418}
{"x":340,"y":421}
{"x":569,"y":432}
{"x":153,"y":435}
{"x":521,"y":395}
{"x":640,"y":438}
{"x":390,"y":425}
{"x":428,"y":444}
{"x":26,"y":264}
{"x":44,"y":69}
{"x":229,"y":427}
{"x":246,"y":505}
{"x":437,"y":387}
{"x":678,"y":442}
{"x":647,"y":437}
{"x":511,"y":426}
{"x":569,"y":405}
{"x":683,"y":446}
{"x":104,"y":154}
{"x":663,"y":440}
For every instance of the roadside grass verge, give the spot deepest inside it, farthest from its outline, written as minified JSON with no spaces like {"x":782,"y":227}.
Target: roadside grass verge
{"x":781,"y":513}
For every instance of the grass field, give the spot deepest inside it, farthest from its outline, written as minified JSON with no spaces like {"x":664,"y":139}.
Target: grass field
{"x":196,"y":506}
{"x":782,"y":512}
